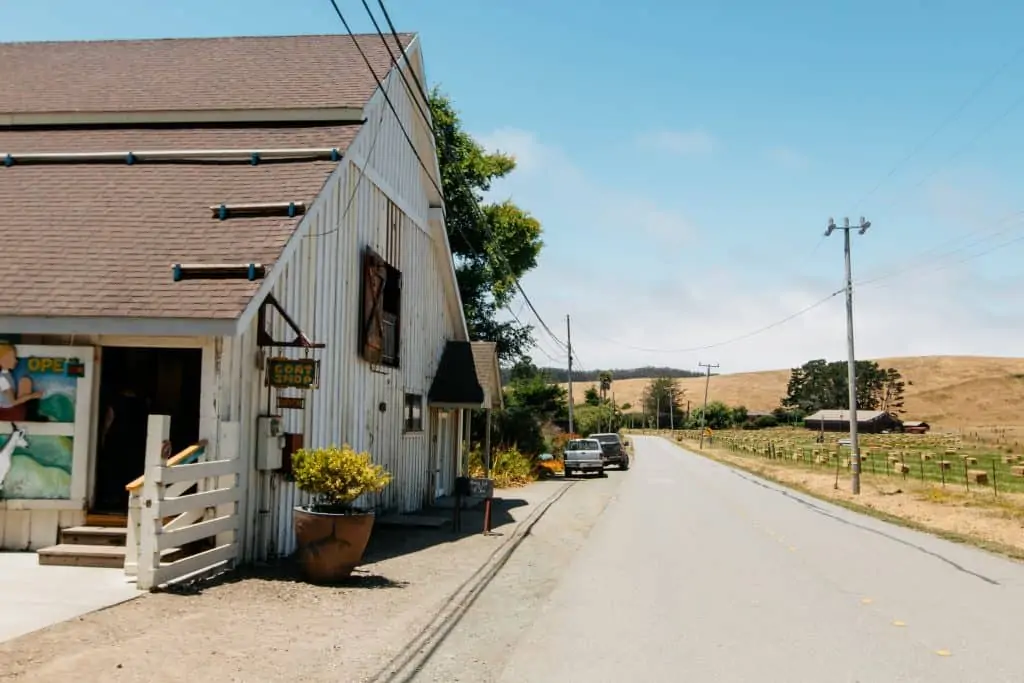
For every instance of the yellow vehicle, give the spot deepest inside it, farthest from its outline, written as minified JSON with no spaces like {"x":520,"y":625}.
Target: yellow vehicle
{"x":548,"y":465}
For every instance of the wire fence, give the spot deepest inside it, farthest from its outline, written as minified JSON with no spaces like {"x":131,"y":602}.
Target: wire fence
{"x":942,"y":460}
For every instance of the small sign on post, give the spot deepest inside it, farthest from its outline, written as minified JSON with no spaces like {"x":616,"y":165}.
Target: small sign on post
{"x":295,"y":373}
{"x":291,"y":402}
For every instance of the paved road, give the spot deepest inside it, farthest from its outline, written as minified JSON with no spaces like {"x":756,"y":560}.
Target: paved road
{"x":697,"y":572}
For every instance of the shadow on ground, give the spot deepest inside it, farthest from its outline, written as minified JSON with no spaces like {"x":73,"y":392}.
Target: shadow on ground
{"x":389,"y":542}
{"x":386,"y":542}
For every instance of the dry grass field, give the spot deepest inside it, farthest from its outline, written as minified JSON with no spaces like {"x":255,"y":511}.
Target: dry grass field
{"x":969,"y":393}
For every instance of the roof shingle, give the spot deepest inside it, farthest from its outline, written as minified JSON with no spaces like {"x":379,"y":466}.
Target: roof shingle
{"x":100,"y":239}
{"x":272,"y":72}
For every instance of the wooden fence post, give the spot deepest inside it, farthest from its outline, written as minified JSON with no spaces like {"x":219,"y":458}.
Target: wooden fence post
{"x":150,"y":524}
{"x":131,"y":550}
{"x":228,"y":449}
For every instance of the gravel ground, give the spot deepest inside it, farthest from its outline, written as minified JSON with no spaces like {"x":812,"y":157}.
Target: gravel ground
{"x":269,"y":627}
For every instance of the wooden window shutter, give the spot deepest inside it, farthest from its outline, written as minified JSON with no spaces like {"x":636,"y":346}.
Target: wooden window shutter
{"x":371,"y":328}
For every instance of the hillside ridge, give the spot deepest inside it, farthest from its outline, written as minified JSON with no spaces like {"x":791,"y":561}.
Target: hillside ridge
{"x":948,"y":390}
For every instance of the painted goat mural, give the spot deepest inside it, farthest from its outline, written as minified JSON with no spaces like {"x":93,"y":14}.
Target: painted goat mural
{"x":37,"y":398}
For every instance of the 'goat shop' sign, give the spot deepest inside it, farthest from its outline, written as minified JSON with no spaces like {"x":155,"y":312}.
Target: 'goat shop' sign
{"x":298,"y":373}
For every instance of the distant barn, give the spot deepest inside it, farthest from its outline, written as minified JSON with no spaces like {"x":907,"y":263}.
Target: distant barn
{"x":915,"y":427}
{"x":868,"y":421}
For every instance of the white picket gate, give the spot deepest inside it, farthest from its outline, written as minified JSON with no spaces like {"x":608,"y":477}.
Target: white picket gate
{"x":162,"y":517}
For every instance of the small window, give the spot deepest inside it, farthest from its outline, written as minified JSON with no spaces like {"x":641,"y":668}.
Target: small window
{"x":380,"y":306}
{"x":413,"y":413}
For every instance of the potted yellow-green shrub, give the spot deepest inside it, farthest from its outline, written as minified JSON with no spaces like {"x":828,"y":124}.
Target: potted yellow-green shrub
{"x":330,"y":533}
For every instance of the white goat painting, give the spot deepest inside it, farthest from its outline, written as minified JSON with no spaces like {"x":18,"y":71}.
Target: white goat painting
{"x":15,"y":440}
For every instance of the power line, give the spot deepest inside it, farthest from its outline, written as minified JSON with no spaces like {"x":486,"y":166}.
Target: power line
{"x":359,"y":180}
{"x":970,"y":143}
{"x":942,"y":125}
{"x":732,"y":340}
{"x":952,"y":252}
{"x":462,"y":178}
{"x":984,"y":252}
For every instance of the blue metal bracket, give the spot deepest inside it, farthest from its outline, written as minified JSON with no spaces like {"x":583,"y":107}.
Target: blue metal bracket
{"x":254,"y":159}
{"x":335,"y":155}
{"x":222,"y":212}
{"x":8,"y":161}
{"x":177,"y":272}
{"x":131,"y":159}
{"x":291,"y":209}
{"x":252,"y":272}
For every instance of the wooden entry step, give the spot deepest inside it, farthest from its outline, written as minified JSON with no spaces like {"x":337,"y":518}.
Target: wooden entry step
{"x":106,"y":519}
{"x":108,"y":556}
{"x":95,"y":535}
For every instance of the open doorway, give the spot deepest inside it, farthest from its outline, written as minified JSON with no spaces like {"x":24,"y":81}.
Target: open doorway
{"x":135,"y":383}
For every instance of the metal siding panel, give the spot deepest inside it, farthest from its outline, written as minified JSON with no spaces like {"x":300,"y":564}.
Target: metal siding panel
{"x":320,"y":288}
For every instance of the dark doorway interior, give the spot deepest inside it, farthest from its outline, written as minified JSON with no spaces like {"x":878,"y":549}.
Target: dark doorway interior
{"x":136,"y":383}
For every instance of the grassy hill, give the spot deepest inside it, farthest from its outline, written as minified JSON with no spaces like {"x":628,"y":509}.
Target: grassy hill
{"x":951,"y":392}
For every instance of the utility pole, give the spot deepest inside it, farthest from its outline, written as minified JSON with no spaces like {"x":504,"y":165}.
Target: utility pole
{"x":671,"y":409}
{"x":568,"y":338}
{"x":704,"y":413}
{"x":657,"y":398}
{"x":852,"y":362}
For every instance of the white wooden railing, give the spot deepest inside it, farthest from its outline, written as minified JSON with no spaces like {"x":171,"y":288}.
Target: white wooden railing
{"x":163,"y":518}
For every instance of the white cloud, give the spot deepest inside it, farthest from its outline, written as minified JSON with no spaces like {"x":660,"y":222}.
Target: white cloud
{"x":930,"y":314}
{"x":682,"y":142}
{"x":625,"y":266}
{"x":787,"y":157}
{"x":546,"y":177}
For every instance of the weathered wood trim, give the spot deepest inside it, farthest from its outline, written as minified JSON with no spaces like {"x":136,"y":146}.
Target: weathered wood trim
{"x":178,"y":538}
{"x":170,"y":507}
{"x":337,"y":115}
{"x":194,"y":563}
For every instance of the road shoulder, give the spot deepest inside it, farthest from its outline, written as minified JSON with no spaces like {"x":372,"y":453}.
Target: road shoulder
{"x":995,"y":526}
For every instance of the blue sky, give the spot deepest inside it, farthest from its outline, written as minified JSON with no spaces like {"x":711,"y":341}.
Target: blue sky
{"x":684,"y":158}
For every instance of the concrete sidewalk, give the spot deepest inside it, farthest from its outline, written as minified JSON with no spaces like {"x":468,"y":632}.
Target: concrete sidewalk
{"x":34,"y":597}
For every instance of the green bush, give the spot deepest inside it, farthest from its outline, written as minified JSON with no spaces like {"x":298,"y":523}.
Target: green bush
{"x":336,"y":477}
{"x":509,"y":467}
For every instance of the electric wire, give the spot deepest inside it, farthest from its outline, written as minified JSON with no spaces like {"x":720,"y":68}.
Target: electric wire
{"x":732,"y":340}
{"x":473,"y":201}
{"x":981,"y":87}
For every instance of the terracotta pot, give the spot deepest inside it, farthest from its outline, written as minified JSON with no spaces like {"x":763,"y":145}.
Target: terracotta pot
{"x":331,"y":546}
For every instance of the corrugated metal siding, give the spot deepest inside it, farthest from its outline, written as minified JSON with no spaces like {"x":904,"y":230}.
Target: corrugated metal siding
{"x":320,"y":289}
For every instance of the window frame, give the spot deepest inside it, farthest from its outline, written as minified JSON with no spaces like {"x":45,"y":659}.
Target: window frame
{"x":412,"y":413}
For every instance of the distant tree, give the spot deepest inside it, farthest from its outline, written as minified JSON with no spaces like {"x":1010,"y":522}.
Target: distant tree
{"x":591,"y":397}
{"x":492,"y":244}
{"x":562,"y":375}
{"x":626,"y":406}
{"x":818,"y":385}
{"x":604,"y":379}
{"x":661,"y":398}
{"x":719,"y":416}
{"x":892,"y":394}
{"x":739,"y":415}
{"x":530,"y":401}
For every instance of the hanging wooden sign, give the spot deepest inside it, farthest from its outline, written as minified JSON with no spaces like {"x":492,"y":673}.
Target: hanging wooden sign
{"x":295,"y":373}
{"x":291,"y":402}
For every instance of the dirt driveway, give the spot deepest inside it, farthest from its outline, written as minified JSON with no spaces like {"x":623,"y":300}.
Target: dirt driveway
{"x":269,"y":627}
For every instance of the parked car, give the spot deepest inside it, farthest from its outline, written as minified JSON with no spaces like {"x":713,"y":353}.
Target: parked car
{"x":583,"y":455}
{"x":614,"y":450}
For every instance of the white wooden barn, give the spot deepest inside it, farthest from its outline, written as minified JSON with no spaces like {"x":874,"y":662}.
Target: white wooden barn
{"x":276,"y":165}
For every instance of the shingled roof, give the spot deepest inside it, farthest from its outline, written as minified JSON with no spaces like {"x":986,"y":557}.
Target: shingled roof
{"x":98,"y":239}
{"x":271,"y":72}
